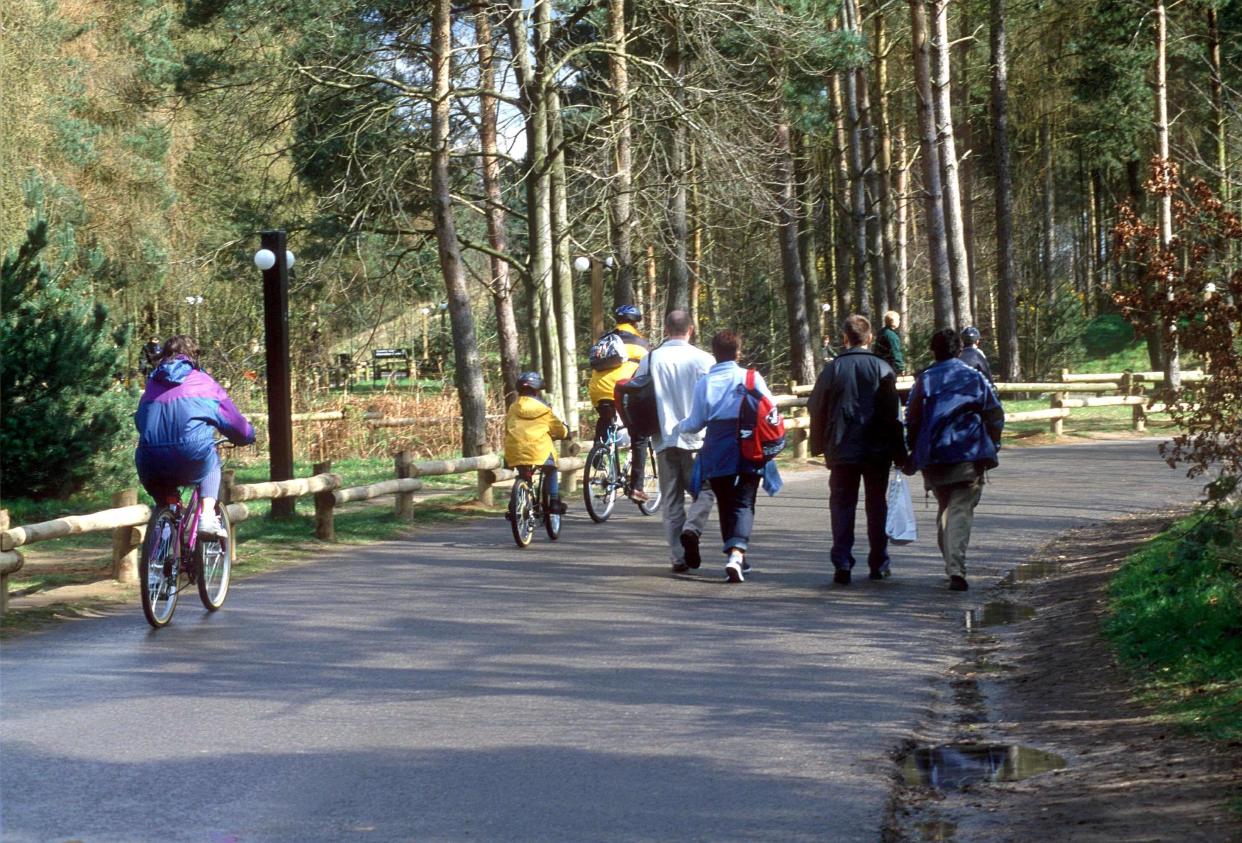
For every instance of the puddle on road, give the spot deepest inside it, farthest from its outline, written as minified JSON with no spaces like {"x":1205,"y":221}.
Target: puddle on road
{"x":998,"y":614}
{"x":981,"y":666}
{"x":1030,"y":571}
{"x":954,"y":766}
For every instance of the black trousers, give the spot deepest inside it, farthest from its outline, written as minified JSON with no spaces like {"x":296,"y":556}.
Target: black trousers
{"x":735,"y":504}
{"x":843,"y":505}
{"x":638,"y":447}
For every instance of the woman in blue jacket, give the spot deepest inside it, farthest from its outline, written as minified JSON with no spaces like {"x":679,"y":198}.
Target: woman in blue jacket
{"x":178,"y":416}
{"x":733,"y":479}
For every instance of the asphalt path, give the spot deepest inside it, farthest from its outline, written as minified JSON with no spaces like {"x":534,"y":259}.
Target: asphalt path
{"x":452,"y":687}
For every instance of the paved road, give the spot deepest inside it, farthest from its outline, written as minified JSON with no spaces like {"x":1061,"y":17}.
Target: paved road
{"x":451,"y":687}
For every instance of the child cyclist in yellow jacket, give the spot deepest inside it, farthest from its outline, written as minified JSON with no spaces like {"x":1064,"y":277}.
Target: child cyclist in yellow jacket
{"x":530,"y":427}
{"x":608,"y":367}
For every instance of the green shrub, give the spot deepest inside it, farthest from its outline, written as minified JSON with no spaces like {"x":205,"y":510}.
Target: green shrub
{"x":65,"y":416}
{"x":1107,"y":334}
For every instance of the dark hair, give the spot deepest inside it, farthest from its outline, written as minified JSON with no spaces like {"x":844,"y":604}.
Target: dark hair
{"x":677,"y":323}
{"x":945,"y":344}
{"x":857,"y":329}
{"x":179,"y":345}
{"x":725,"y":345}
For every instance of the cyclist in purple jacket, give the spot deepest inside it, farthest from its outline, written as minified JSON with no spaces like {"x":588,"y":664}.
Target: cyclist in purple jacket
{"x":177,"y":417}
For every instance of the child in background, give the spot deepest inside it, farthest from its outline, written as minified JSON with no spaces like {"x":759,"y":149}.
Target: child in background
{"x":530,"y":427}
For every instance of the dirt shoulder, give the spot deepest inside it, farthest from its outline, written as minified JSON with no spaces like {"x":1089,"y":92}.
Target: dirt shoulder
{"x":1052,"y":683}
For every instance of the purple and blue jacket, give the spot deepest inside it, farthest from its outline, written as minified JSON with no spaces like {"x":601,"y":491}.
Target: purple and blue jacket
{"x":176,"y":416}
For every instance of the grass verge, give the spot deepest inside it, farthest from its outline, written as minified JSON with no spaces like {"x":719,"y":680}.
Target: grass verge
{"x":1176,"y":620}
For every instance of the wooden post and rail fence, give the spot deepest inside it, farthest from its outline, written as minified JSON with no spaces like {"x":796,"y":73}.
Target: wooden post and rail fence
{"x":127,"y":519}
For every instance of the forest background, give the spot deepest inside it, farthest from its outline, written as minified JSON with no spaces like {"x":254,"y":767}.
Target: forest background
{"x":453,"y":176}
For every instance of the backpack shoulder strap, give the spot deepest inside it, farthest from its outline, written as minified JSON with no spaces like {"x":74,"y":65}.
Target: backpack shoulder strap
{"x":750,"y":380}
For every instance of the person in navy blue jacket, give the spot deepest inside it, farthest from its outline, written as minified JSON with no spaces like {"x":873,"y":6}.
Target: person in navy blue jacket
{"x":178,"y":415}
{"x":953,"y":427}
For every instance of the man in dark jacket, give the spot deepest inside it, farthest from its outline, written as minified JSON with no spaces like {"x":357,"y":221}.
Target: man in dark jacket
{"x":953,"y":424}
{"x":855,"y":425}
{"x":970,"y":353}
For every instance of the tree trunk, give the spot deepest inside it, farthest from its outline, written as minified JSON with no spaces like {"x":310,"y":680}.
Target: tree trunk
{"x":1219,"y":119}
{"x":497,"y":238}
{"x":937,"y":243}
{"x":871,"y":178}
{"x":842,"y":249}
{"x":469,"y":371}
{"x":902,"y":209}
{"x":801,"y":356}
{"x":696,"y":236}
{"x":563,"y":267}
{"x":1048,"y":246}
{"x":538,"y":192}
{"x":1094,"y":285}
{"x":804,"y":185}
{"x":1164,"y":193}
{"x":959,"y":266}
{"x":966,"y":167}
{"x":885,"y":162}
{"x":1006,"y":281}
{"x":857,"y":165}
{"x":621,"y":223}
{"x":677,"y":268}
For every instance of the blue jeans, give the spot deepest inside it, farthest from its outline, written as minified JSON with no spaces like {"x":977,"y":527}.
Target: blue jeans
{"x":735,"y":504}
{"x":843,"y":505}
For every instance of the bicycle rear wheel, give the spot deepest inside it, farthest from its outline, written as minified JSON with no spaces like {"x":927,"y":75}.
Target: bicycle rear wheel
{"x":214,"y":560}
{"x":522,"y":512}
{"x":599,"y":484}
{"x":159,"y":568}
{"x":651,"y":484}
{"x":551,"y":520}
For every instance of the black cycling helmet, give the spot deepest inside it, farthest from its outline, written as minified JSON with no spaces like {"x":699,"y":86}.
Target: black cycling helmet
{"x":970,"y":335}
{"x":628,"y":313}
{"x":531,"y":380}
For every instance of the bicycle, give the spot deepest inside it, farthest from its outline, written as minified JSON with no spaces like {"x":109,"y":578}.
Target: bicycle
{"x":605,"y":474}
{"x":172,"y":554}
{"x":530,"y":502}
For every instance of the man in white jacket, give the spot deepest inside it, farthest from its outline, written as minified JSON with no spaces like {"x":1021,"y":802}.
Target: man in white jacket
{"x":675,"y":367}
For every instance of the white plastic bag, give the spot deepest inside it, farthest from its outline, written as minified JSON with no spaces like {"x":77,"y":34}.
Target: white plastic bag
{"x":900,"y":525}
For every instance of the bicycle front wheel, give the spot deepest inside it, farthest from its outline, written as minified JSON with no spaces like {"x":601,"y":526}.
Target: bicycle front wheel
{"x":651,"y":484}
{"x":214,"y":559}
{"x":551,"y":520}
{"x":599,"y":484}
{"x":522,"y":512}
{"x":159,"y":568}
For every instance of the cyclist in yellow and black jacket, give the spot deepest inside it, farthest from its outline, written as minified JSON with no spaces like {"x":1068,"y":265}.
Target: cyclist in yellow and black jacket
{"x":614,"y":357}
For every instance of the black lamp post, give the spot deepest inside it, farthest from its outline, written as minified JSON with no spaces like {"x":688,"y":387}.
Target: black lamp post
{"x":275,"y":260}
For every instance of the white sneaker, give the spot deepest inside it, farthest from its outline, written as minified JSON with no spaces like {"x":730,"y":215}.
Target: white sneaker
{"x":733,"y":569}
{"x":209,"y":525}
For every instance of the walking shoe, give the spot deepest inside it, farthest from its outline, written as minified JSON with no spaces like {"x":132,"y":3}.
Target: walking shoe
{"x":557,"y":507}
{"x":209,"y":525}
{"x":733,"y":569}
{"x":690,"y":543}
{"x":958,"y":584}
{"x":639,"y":496}
{"x":680,"y":567}
{"x":745,"y":566}
{"x":842,"y":576}
{"x":880,"y":573}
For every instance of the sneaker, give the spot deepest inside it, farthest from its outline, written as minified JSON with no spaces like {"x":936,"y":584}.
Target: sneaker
{"x":209,"y":525}
{"x":733,"y":569}
{"x":958,"y":584}
{"x":842,"y":576}
{"x":680,"y":567}
{"x":639,"y":496}
{"x":745,"y":566}
{"x":880,"y":573}
{"x":690,"y":543}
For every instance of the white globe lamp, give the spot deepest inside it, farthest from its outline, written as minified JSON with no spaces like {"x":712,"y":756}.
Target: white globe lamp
{"x":264,"y":259}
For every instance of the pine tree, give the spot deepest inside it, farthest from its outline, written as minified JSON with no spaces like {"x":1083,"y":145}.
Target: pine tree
{"x":65,"y":414}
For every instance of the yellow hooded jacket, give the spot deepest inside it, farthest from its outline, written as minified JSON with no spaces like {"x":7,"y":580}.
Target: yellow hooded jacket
{"x":530,"y":427}
{"x":602,"y":383}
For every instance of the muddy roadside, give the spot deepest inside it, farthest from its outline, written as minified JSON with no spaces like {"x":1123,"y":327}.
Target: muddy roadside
{"x":1048,"y":682}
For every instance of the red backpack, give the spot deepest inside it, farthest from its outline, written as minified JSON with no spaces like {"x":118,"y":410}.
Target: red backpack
{"x":760,"y":426}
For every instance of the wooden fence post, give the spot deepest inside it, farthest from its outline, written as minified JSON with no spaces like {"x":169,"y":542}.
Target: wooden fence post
{"x":1139,"y":419}
{"x":486,"y":480}
{"x":4,"y":578}
{"x":325,"y":528}
{"x":228,"y":479}
{"x":125,"y":542}
{"x":1056,"y":426}
{"x":405,"y":500}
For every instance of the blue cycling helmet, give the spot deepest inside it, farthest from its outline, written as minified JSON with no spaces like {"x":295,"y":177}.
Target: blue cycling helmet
{"x":628,"y":313}
{"x":970,"y":335}
{"x":532,"y":380}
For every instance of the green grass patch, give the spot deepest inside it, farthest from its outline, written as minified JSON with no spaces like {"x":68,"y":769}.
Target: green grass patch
{"x":1176,"y":620}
